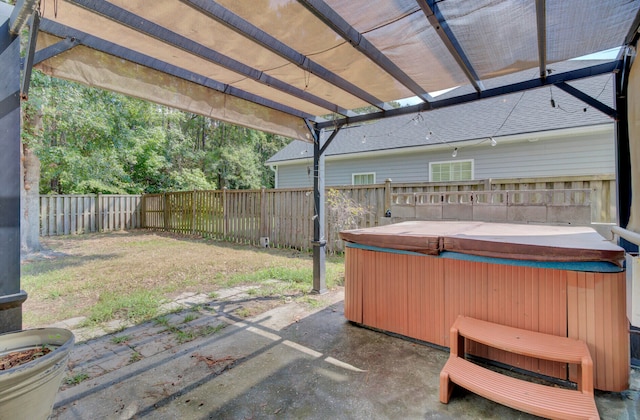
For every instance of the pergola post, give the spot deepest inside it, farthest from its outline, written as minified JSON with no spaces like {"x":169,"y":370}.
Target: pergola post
{"x":623,"y":154}
{"x":319,"y":242}
{"x":11,"y":297}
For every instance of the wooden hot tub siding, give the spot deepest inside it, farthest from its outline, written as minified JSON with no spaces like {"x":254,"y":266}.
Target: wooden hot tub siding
{"x":421,"y":296}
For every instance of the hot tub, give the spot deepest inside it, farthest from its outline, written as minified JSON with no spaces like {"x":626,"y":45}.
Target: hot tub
{"x":415,"y":278}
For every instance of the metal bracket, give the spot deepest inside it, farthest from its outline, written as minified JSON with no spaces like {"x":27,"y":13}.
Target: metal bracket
{"x":14,"y":300}
{"x":588,"y":99}
{"x":55,"y":49}
{"x":28,"y":64}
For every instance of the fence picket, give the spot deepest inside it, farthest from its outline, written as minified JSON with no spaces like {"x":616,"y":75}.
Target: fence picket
{"x":73,"y":216}
{"x":43,"y":218}
{"x":78,"y":214}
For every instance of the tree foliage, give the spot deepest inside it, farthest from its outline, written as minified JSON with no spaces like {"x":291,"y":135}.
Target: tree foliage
{"x":344,"y":212}
{"x":95,"y":141}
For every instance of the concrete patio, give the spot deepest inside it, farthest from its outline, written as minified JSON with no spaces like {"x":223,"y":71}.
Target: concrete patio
{"x":289,"y":362}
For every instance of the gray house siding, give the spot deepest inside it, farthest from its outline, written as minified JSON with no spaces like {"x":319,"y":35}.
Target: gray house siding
{"x":294,"y":175}
{"x":590,"y":153}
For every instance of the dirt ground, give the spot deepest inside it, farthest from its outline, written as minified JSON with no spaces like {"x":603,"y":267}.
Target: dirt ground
{"x":128,"y":274}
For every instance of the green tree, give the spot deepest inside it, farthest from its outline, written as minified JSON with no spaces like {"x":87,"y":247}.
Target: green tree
{"x":94,"y":141}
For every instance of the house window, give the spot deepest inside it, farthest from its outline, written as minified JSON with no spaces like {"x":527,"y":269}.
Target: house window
{"x":459,"y":170}
{"x":363,"y":179}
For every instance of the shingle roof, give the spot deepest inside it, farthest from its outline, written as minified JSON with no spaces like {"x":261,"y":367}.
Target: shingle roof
{"x":518,"y":113}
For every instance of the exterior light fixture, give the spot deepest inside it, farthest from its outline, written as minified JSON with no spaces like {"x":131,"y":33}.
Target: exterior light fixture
{"x":493,"y":142}
{"x":455,"y":152}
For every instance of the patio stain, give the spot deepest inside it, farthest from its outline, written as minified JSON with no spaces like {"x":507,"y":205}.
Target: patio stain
{"x":293,"y":361}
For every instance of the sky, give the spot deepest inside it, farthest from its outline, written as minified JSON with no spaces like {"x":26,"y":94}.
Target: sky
{"x":610,"y":54}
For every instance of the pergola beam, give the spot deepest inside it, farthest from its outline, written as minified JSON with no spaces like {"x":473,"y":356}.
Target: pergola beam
{"x":541,"y":25}
{"x":333,"y":20}
{"x":436,"y":18}
{"x":588,"y":99}
{"x":101,"y":45}
{"x":21,"y":12}
{"x":257,"y":35}
{"x":333,"y":135}
{"x":55,"y":49}
{"x":142,"y":25}
{"x":28,"y":62}
{"x":489,"y":93}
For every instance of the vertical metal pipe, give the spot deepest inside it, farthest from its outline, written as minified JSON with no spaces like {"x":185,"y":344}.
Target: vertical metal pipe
{"x":541,"y":20}
{"x":11,"y":297}
{"x":623,"y":153}
{"x":319,"y":242}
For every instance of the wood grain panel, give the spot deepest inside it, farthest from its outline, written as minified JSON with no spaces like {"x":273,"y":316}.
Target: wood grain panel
{"x":426,"y":303}
{"x":597,"y":315}
{"x":353,"y":284}
{"x":521,"y":297}
{"x":391,"y":292}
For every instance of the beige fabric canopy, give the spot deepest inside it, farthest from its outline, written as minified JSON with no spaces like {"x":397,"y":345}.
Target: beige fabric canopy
{"x":271,"y":64}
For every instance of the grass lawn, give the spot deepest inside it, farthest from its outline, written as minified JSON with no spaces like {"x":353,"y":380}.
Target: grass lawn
{"x":129,"y":275}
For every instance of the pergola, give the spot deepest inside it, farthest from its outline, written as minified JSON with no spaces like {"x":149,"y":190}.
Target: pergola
{"x":299,"y":68}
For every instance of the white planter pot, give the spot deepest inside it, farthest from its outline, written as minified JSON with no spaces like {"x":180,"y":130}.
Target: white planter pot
{"x":28,"y":391}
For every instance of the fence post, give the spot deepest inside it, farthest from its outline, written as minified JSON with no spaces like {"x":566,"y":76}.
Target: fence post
{"x":165,"y":208}
{"x":143,"y":212}
{"x":193,"y":212}
{"x":99,"y":223}
{"x":263,"y":212}
{"x":387,"y":195}
{"x":225,"y":213}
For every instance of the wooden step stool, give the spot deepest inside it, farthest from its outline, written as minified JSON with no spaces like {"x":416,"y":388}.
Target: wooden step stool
{"x":537,"y":399}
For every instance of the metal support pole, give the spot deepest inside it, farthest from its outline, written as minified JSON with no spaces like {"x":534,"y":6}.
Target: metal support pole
{"x":319,"y":242}
{"x":623,"y":154}
{"x":11,"y":297}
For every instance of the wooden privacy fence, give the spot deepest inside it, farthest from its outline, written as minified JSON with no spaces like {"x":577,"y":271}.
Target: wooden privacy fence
{"x":525,"y":206}
{"x":597,"y":193}
{"x":284,"y":217}
{"x":76,"y":214}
